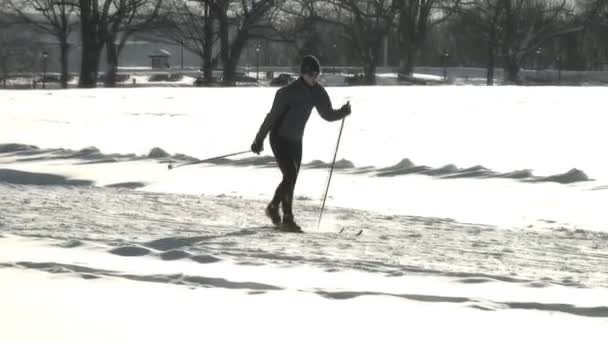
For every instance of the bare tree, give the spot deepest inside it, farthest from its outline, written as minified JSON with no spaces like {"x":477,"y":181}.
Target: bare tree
{"x":17,"y":54}
{"x":203,"y":26}
{"x":416,"y":18}
{"x":594,"y":12}
{"x":485,"y":17}
{"x":192,"y":25}
{"x":132,"y":16}
{"x":364,"y":23}
{"x":594,"y":46}
{"x":254,"y":20}
{"x":93,"y":22}
{"x":526,"y":25}
{"x":516,"y":29}
{"x":6,"y":17}
{"x":371,"y":21}
{"x":100,"y":23}
{"x":55,"y":17}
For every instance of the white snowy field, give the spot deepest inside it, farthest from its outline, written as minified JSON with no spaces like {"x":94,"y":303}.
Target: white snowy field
{"x":459,"y":135}
{"x":456,"y":213}
{"x":112,"y":264}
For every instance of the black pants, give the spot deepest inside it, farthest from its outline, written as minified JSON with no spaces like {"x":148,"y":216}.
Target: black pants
{"x":289,"y":157}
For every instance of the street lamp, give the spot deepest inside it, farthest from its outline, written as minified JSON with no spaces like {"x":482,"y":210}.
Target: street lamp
{"x":45,"y":56}
{"x":538,"y":55}
{"x":257,"y":69}
{"x":335,"y":46}
{"x":558,"y":61}
{"x":181,"y":43}
{"x":444,"y":62}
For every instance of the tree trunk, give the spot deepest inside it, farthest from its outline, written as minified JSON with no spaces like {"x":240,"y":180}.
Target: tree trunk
{"x":228,"y":75}
{"x":491,"y":56}
{"x":409,"y":54}
{"x":235,"y":55}
{"x":208,"y":45}
{"x":512,"y":69}
{"x":491,"y":65}
{"x":369,"y":70}
{"x":89,"y":67}
{"x":91,"y":51}
{"x":369,"y":58}
{"x":413,"y":27}
{"x":229,"y":72}
{"x":112,"y":59}
{"x":65,"y":53}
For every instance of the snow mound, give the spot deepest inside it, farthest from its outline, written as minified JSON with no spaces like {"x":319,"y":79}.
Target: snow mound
{"x":451,"y":171}
{"x":91,"y":152}
{"x":572,"y":176}
{"x":340,"y":164}
{"x":205,"y":259}
{"x":169,"y":243}
{"x":158,"y":152}
{"x":255,"y":161}
{"x":519,"y":174}
{"x":403,"y":164}
{"x":30,"y":178}
{"x":130,"y":251}
{"x":475,"y":171}
{"x":444,"y":170}
{"x":127,"y":185}
{"x":70,"y":244}
{"x":404,"y":171}
{"x":88,"y":155}
{"x":175,"y":254}
{"x":9,"y":148}
{"x":92,"y":155}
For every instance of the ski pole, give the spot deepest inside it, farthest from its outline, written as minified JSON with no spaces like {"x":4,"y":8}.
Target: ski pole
{"x":331,"y":171}
{"x":171,"y":167}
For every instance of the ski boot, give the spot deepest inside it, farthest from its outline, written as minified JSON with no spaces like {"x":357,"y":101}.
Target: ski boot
{"x":289,"y":225}
{"x":272,"y":212}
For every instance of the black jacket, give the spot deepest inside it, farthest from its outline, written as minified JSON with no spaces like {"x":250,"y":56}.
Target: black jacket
{"x":292,"y":107}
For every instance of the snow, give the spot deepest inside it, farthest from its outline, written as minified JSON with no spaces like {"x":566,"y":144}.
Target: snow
{"x":126,"y":311}
{"x":504,"y":128}
{"x":549,"y":131}
{"x":106,"y":243}
{"x":415,"y":75}
{"x":73,"y":289}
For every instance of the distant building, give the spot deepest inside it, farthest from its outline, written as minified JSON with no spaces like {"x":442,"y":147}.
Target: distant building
{"x":160,"y":59}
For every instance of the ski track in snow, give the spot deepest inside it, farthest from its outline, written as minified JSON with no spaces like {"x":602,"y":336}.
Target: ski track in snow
{"x":209,"y":229}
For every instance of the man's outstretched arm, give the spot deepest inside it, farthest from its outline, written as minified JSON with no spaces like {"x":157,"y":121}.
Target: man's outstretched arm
{"x":327,"y":112}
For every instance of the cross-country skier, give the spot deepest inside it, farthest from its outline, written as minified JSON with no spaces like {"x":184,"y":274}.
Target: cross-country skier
{"x":286,"y":122}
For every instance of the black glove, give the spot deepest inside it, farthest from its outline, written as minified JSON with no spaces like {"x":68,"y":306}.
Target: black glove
{"x":257,"y":146}
{"x":345,"y":110}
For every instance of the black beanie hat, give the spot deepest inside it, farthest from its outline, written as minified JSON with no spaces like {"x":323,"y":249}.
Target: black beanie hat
{"x":310,"y":64}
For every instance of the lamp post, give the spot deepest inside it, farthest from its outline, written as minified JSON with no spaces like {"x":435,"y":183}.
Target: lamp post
{"x":335,"y":56}
{"x":45,"y":56}
{"x":444,"y":63}
{"x":538,"y":55}
{"x":558,"y":61}
{"x":257,"y":69}
{"x":181,"y":43}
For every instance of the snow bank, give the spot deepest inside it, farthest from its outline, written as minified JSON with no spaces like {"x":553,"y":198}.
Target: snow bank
{"x":29,"y":178}
{"x":571,"y":176}
{"x":92,"y":155}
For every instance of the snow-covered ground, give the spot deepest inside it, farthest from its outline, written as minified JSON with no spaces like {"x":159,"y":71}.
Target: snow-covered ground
{"x":477,"y":142}
{"x":508,"y":243}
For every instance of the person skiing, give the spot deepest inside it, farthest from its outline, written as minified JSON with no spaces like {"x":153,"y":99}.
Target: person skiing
{"x":285,"y":122}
